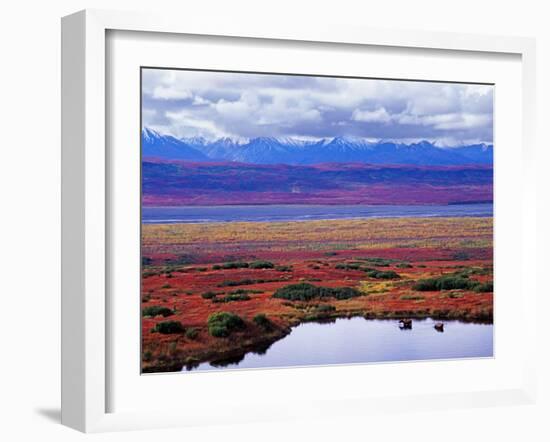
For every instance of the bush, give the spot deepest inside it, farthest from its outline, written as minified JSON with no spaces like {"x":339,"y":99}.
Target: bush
{"x":237,"y":283}
{"x":453,"y":295}
{"x":261,"y":320}
{"x":156,"y":310}
{"x":445,"y":282}
{"x":379,"y":262}
{"x":166,"y":286}
{"x":208,"y":295}
{"x":230,"y":265}
{"x":325,"y":308}
{"x":283,"y":268}
{"x":377,"y":274}
{"x":232,"y":297}
{"x":307,"y":292}
{"x":245,"y":282}
{"x":222,"y":324}
{"x":191,"y":333}
{"x":245,"y":292}
{"x":261,"y":265}
{"x":403,"y":265}
{"x":484,"y":287}
{"x":348,"y":266}
{"x":169,"y":327}
{"x":467,"y":271}
{"x":412,"y":298}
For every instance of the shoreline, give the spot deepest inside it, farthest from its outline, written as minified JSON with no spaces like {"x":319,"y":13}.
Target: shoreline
{"x":236,"y":353}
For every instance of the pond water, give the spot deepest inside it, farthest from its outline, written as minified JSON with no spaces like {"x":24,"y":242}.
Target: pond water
{"x":357,"y":340}
{"x":269,"y":213}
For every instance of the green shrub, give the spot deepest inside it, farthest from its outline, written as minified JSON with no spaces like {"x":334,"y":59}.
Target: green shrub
{"x":261,"y":265}
{"x":156,"y":310}
{"x":453,"y":295}
{"x":348,"y":266}
{"x":445,"y":282}
{"x":325,"y":308}
{"x":467,"y":271}
{"x":261,"y":320}
{"x":237,"y":283}
{"x":306,"y":292}
{"x":166,"y":286}
{"x":230,"y":265}
{"x":209,"y":295}
{"x":412,"y":298}
{"x":377,"y":274}
{"x":191,"y":333}
{"x":484,"y":287}
{"x":403,"y":265}
{"x":283,"y":268}
{"x":222,"y":324}
{"x":169,"y":327}
{"x":245,"y":292}
{"x":379,"y":262}
{"x":232,"y":297}
{"x":245,"y":282}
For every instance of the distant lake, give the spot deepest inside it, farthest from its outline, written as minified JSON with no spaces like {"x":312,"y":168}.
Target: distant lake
{"x":357,"y":340}
{"x":263,"y":213}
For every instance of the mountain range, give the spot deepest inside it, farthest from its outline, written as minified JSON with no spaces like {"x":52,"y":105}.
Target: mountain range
{"x":271,"y":150}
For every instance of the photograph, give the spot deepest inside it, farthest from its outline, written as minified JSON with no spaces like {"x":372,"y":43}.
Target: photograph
{"x":292,"y":220}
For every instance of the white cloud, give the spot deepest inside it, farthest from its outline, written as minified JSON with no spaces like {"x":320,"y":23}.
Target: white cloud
{"x":380,"y":115}
{"x":199,"y":101}
{"x":184,"y":124}
{"x":170,"y":93}
{"x":206,"y":104}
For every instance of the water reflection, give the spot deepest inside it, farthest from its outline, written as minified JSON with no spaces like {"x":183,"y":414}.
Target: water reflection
{"x":357,"y":340}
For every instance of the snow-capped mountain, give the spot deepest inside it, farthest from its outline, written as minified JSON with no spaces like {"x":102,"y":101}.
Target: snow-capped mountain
{"x":288,"y":150}
{"x":156,"y":145}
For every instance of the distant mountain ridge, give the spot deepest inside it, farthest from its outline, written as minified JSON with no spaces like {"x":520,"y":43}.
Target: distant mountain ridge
{"x":271,"y":150}
{"x":175,"y":183}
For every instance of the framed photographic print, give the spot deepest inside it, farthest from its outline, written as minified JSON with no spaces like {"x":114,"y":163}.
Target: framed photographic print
{"x":250,"y":213}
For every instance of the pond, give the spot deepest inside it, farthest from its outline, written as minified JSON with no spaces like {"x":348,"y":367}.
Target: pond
{"x":357,"y":340}
{"x":299,"y":212}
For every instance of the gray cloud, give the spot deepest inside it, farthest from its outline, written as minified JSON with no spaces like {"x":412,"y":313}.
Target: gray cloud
{"x":240,"y":105}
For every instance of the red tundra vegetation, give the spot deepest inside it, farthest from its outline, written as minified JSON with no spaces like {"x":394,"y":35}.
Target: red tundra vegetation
{"x":212,"y":292}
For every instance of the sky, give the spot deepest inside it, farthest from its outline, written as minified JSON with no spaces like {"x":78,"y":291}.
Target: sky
{"x":241,"y":106}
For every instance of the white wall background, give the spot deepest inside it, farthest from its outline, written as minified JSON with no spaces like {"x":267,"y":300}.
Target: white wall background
{"x":30,"y":220}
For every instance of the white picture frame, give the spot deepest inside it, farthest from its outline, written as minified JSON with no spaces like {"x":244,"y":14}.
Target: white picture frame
{"x":85,"y":210}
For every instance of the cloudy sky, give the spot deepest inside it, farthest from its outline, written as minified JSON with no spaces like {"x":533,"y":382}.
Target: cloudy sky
{"x":217,"y":104}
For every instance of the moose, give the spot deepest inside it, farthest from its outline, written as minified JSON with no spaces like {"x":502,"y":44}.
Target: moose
{"x":405,"y":324}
